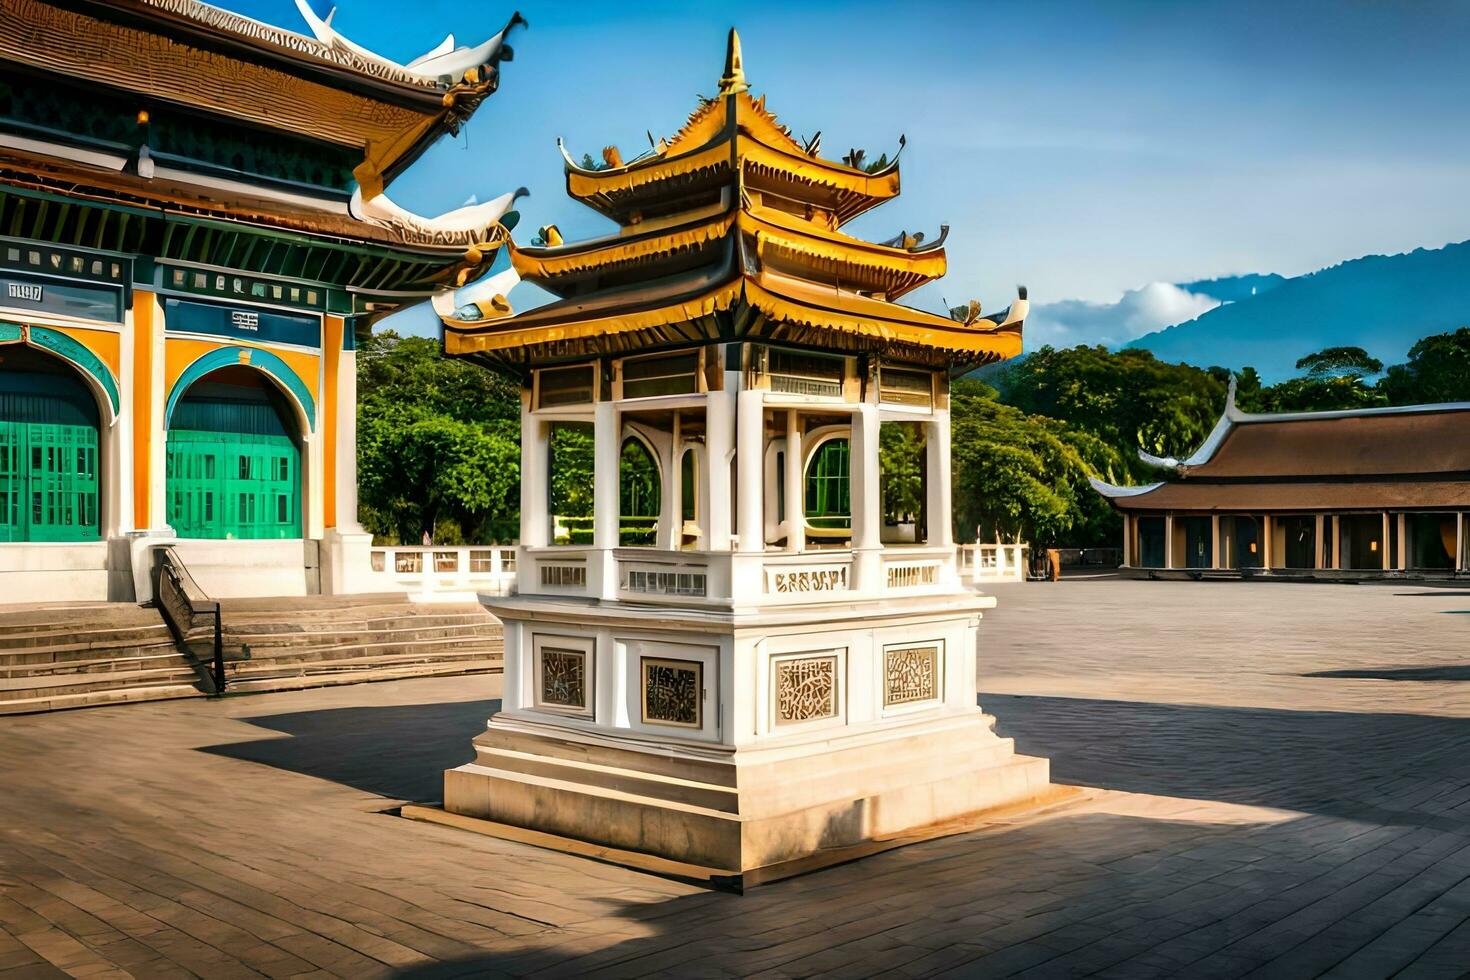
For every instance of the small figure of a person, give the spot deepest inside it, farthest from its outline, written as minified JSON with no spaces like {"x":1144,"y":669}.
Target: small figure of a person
{"x":428,"y":539}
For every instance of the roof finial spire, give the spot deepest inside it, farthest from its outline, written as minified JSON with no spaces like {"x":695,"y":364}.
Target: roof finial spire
{"x":733,"y":80}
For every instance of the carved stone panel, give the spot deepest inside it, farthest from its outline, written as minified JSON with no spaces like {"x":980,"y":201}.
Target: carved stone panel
{"x":563,"y":678}
{"x":673,"y":692}
{"x":910,"y":674}
{"x":806,"y":689}
{"x":825,"y":579}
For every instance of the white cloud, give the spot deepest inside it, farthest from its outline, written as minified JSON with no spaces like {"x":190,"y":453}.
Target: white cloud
{"x":1073,"y":321}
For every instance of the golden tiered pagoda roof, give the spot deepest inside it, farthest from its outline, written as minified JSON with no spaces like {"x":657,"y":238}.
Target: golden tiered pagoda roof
{"x":729,"y":230}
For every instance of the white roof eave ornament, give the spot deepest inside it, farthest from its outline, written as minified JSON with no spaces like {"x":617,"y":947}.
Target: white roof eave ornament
{"x":441,"y":61}
{"x":470,"y":225}
{"x":448,"y":302}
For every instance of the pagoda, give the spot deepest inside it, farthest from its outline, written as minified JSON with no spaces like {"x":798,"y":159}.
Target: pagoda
{"x":738,"y":642}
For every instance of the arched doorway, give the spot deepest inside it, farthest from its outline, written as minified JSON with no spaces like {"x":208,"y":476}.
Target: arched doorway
{"x":639,"y":498}
{"x":234,"y":459}
{"x":49,"y":460}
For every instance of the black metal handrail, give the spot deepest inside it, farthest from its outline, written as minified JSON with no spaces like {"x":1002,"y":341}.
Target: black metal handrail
{"x":182,"y":603}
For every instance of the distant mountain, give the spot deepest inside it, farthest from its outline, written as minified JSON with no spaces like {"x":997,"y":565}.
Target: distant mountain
{"x":1069,"y":322}
{"x":1233,"y":289}
{"x":1382,"y":303}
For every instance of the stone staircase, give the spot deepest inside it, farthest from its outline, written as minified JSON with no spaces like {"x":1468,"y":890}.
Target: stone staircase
{"x":73,"y":655}
{"x":316,"y":641}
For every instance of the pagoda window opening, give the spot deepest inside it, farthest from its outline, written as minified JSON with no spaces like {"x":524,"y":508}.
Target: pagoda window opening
{"x":572,"y":483}
{"x":903,"y":482}
{"x":1241,"y":539}
{"x":660,"y":374}
{"x":639,"y":496}
{"x":898,"y":386}
{"x":802,"y":373}
{"x":828,"y":490}
{"x":689,"y":525}
{"x":565,"y":386}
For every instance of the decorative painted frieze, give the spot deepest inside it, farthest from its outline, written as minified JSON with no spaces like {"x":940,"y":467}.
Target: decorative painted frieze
{"x":827,"y":579}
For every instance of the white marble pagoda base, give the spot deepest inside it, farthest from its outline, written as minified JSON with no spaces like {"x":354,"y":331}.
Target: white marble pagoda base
{"x":752,"y":810}
{"x":757,"y":782}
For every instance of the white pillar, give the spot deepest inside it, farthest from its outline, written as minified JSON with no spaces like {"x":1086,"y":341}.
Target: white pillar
{"x":940,"y":495}
{"x":1403,"y":549}
{"x":795,"y":502}
{"x":606,"y":507}
{"x":671,"y":513}
{"x":347,"y":521}
{"x":1127,"y":541}
{"x":1215,"y":561}
{"x":867,"y":508}
{"x":1319,"y":541}
{"x":602,"y":569}
{"x":1168,"y":540}
{"x":1266,"y":542}
{"x":535,"y":474}
{"x":750,"y":469}
{"x":719,"y":444}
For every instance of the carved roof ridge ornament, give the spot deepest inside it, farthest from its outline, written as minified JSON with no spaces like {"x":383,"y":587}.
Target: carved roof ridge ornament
{"x":442,"y":62}
{"x":472,"y":225}
{"x":487,"y":297}
{"x":733,"y":81}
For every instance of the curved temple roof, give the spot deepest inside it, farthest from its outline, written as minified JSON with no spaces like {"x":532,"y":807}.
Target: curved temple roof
{"x":729,"y":230}
{"x":1410,"y":456}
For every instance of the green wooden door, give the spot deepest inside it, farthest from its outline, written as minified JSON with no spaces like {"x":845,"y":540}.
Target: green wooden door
{"x":233,"y":485}
{"x":233,"y":469}
{"x":48,"y":482}
{"x":48,"y":452}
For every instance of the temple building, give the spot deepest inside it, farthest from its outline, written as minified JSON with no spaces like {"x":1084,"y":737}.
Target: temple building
{"x":193,"y":234}
{"x":1350,"y":494}
{"x":739,"y":638}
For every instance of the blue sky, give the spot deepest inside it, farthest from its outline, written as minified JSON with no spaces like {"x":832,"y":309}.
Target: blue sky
{"x":1083,"y":149}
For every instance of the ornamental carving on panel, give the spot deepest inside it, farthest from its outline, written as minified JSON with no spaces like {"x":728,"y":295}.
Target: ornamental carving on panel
{"x":672,"y":692}
{"x":910,"y":674}
{"x":806,"y":689}
{"x":811,"y":580}
{"x":564,"y":678}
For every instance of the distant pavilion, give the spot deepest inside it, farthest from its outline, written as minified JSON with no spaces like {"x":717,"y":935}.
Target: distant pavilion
{"x":1365,"y":493}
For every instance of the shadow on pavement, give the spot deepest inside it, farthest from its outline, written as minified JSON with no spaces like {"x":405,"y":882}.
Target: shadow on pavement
{"x":1386,"y":768}
{"x":398,"y":751}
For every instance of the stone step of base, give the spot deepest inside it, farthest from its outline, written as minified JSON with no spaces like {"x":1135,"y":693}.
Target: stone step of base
{"x":20,"y":620}
{"x":251,"y":668}
{"x":365,"y":634}
{"x":87,"y":649}
{"x":27,"y":688}
{"x":92,"y":699}
{"x":161,"y":656}
{"x":486,"y":645}
{"x":81,"y":634}
{"x":362,"y":676}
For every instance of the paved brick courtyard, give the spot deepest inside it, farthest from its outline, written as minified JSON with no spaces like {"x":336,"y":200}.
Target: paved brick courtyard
{"x":1281,"y":786}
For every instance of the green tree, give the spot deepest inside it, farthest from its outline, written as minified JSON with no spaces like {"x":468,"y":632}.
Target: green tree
{"x":1337,"y":362}
{"x":901,"y":453}
{"x":1335,"y":378}
{"x":1128,"y":399}
{"x":1438,"y":370}
{"x":1026,"y":475}
{"x":438,"y":445}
